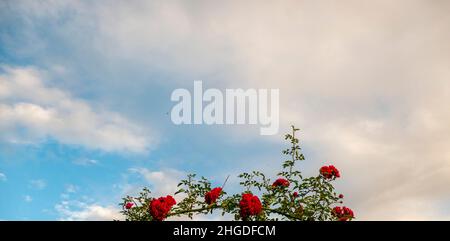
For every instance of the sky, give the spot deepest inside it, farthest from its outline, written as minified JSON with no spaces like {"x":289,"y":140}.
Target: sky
{"x":85,"y":90}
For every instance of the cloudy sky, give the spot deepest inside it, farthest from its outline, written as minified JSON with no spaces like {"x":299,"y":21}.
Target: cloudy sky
{"x":85,"y":89}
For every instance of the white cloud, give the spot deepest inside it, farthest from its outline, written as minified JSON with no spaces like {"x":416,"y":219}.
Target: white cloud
{"x":81,"y":211}
{"x":163,"y":182}
{"x":38,"y":184}
{"x":30,"y":110}
{"x":3,"y":177}
{"x":368,"y":90}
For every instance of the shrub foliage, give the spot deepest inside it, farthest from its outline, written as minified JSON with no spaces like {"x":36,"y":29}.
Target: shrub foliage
{"x":290,"y":197}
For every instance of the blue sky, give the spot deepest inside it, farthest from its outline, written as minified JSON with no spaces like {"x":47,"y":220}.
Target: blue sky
{"x":85,"y":87}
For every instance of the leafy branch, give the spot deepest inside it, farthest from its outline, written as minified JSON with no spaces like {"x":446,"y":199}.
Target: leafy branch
{"x":289,"y":197}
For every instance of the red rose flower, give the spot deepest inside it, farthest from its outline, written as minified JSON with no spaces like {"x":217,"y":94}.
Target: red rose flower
{"x":342,"y":213}
{"x":211,"y":196}
{"x":329,"y":172}
{"x":281,"y":182}
{"x":159,"y":208}
{"x":295,"y":194}
{"x":129,"y":205}
{"x":249,"y":205}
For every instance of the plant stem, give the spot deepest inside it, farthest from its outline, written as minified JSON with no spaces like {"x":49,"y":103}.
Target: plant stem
{"x":193,"y":210}
{"x":281,"y":213}
{"x":219,"y":207}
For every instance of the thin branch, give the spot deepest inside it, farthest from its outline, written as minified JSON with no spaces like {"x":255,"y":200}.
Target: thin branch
{"x":225,"y":182}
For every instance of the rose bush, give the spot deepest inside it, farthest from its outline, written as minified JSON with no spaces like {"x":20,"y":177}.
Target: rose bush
{"x":290,"y":197}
